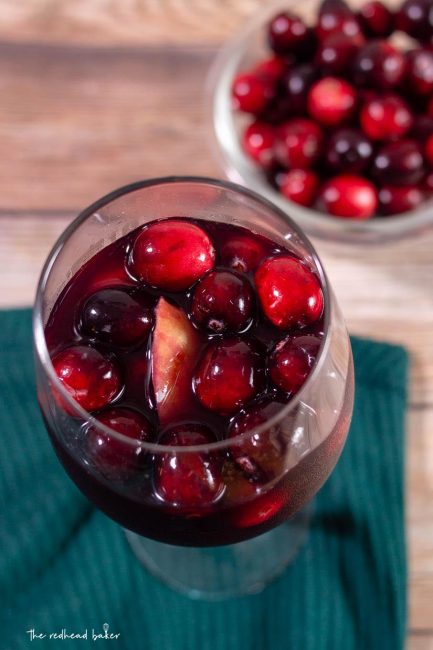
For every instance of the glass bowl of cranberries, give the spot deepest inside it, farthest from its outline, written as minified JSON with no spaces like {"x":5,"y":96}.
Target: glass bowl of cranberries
{"x":195,"y":376}
{"x":326,"y":108}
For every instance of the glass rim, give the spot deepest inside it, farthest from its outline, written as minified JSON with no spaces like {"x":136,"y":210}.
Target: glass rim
{"x":41,"y":348}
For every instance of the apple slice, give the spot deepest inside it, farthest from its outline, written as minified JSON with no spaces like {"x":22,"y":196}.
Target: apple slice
{"x":175,"y":349}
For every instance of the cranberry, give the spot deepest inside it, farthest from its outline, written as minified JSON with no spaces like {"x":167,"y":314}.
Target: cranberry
{"x":429,"y":151}
{"x":420,"y":70}
{"x":252,"y":92}
{"x":336,"y":17}
{"x":228,"y":375}
{"x":427,"y":184}
{"x":394,"y":200}
{"x":348,"y":196}
{"x":376,"y":19}
{"x":259,"y":456}
{"x":110,"y":454}
{"x":172,"y":255}
{"x":274,"y":67}
{"x":335,"y":53}
{"x":290,"y":294}
{"x":348,"y":150}
{"x":298,"y":143}
{"x":300,"y":186}
{"x":385,"y":118}
{"x":258,"y":143}
{"x":223,"y":301}
{"x":118,"y":316}
{"x":415,"y":17}
{"x":291,"y":362}
{"x":379,"y":65}
{"x":295,"y":86}
{"x":260,"y":509}
{"x":399,"y":163}
{"x":286,"y":33}
{"x":188,"y":480}
{"x":242,"y":253}
{"x":91,"y":379}
{"x":331,"y":101}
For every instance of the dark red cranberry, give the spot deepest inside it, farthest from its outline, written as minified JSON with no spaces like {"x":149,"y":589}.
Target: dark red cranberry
{"x":415,"y":17}
{"x":259,"y":510}
{"x":348,"y":196}
{"x":260,"y":456}
{"x":378,"y":64}
{"x":242,"y":253}
{"x":172,"y":255}
{"x":394,"y":200}
{"x":335,"y":53}
{"x":258,"y":143}
{"x":348,"y":150}
{"x":112,"y":455}
{"x":422,"y":128}
{"x":188,"y":480}
{"x":91,"y":379}
{"x":228,"y":375}
{"x":252,"y":92}
{"x":274,"y":67}
{"x":298,"y":143}
{"x":117,"y":316}
{"x":376,"y":19}
{"x":295,"y":86}
{"x":427,"y":184}
{"x":223,"y":301}
{"x":300,"y":186}
{"x":291,"y":362}
{"x":286,"y":33}
{"x":290,"y":294}
{"x":335,"y":17}
{"x":386,"y":118}
{"x":419,"y":73}
{"x":331,"y":101}
{"x":399,"y":163}
{"x":428,"y":152}
{"x":430,"y":108}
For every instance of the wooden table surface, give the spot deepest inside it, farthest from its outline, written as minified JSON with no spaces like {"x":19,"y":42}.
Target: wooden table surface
{"x":97,"y":94}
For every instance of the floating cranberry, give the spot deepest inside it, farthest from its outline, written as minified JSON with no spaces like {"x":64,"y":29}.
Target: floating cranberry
{"x":399,"y":163}
{"x":335,"y":53}
{"x":415,"y":17}
{"x":188,"y":480}
{"x":261,"y":509}
{"x":228,"y":375}
{"x":90,"y":378}
{"x":348,"y":196}
{"x":376,"y":19}
{"x":331,"y":101}
{"x":118,"y":316}
{"x":286,"y":33}
{"x":290,"y":294}
{"x":260,"y":456}
{"x":258,"y":143}
{"x":172,"y":255}
{"x":300,"y":186}
{"x":295,"y":85}
{"x":386,"y":118}
{"x":252,"y":92}
{"x":223,"y":301}
{"x":379,"y":65}
{"x":298,"y":143}
{"x":348,"y":150}
{"x":292,"y":360}
{"x":420,"y":71}
{"x":336,"y":17}
{"x":110,"y":454}
{"x":394,"y":200}
{"x":242,"y":253}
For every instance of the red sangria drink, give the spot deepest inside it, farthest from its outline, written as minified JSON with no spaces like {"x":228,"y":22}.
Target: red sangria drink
{"x":194,"y":373}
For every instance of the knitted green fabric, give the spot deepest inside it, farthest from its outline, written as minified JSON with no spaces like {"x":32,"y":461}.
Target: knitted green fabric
{"x":63,"y":564}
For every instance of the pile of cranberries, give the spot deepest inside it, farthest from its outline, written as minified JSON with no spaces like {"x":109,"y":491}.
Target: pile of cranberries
{"x":199,"y":332}
{"x":343,"y":117}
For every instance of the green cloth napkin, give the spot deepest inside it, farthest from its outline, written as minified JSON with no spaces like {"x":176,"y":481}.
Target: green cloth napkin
{"x":63,"y":564}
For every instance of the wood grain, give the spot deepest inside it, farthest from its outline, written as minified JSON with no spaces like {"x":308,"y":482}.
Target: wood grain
{"x":91,"y":100}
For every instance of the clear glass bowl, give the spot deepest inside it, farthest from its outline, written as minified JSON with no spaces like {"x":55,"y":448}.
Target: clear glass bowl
{"x":240,"y":53}
{"x":312,"y":427}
